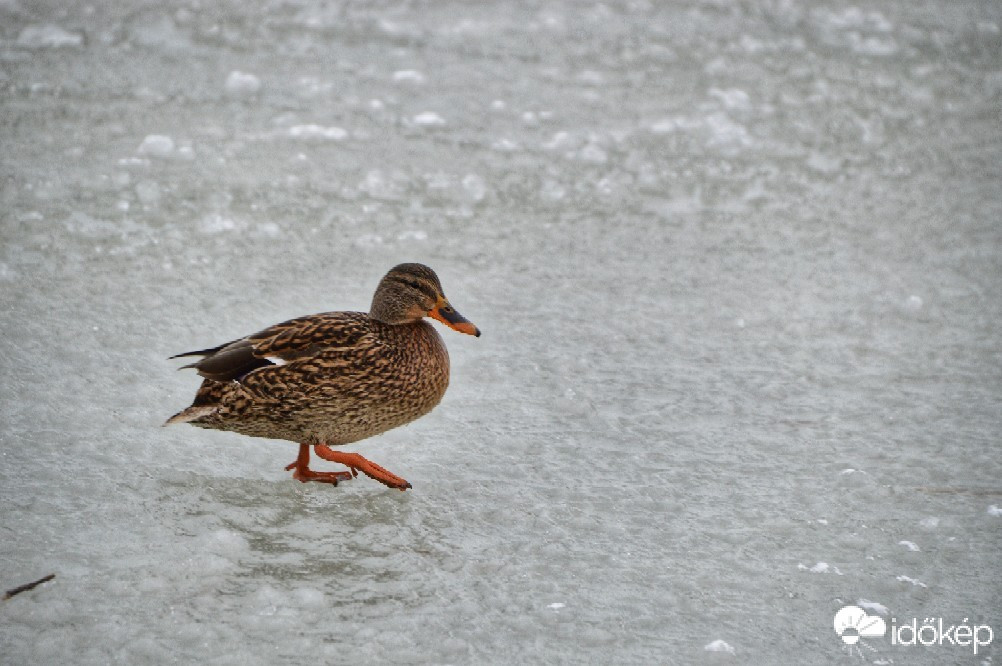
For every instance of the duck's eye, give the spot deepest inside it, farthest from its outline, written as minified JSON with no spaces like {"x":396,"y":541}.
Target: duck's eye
{"x":413,"y":284}
{"x":448,"y":309}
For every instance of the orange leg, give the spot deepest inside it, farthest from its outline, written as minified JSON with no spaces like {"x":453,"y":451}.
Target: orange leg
{"x":304,"y":473}
{"x":357,"y":462}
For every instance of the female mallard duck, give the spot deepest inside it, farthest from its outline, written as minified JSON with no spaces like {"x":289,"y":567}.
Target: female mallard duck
{"x":333,"y":378}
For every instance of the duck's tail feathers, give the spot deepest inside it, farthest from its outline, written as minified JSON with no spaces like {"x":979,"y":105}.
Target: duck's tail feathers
{"x":193,"y":413}
{"x":201,"y":352}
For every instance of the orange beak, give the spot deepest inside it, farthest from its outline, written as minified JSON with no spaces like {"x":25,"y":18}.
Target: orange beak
{"x":446,"y":314}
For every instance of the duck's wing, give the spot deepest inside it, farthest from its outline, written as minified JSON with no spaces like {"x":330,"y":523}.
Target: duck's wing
{"x":282,"y":344}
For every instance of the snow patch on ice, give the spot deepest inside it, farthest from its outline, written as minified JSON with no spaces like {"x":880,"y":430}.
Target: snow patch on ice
{"x":873,"y":46}
{"x":242,"y":84}
{"x":718,"y":129}
{"x":428,"y":119}
{"x":929,"y":523}
{"x":156,"y":145}
{"x":910,"y":545}
{"x":732,"y":98}
{"x":669,"y":125}
{"x":556,"y":605}
{"x":593,"y":153}
{"x":313,"y":86}
{"x":820,"y":567}
{"x":873,"y":606}
{"x":269,"y":230}
{"x":380,"y":186}
{"x":475,"y":187}
{"x":856,"y":19}
{"x":408,"y":76}
{"x":318,"y":132}
{"x":47,"y":36}
{"x":994,"y":510}
{"x":217,"y":224}
{"x":863,"y":32}
{"x":558,"y":140}
{"x":726,"y":132}
{"x":913,"y":581}
{"x":504,"y":145}
{"x":718,"y":646}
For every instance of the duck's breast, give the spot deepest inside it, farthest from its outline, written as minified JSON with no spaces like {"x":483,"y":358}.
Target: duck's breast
{"x":419,"y":369}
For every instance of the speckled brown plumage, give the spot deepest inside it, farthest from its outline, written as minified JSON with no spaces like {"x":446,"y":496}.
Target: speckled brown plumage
{"x":333,"y":378}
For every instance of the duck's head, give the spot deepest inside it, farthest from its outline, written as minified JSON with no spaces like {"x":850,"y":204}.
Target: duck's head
{"x":410,"y":292}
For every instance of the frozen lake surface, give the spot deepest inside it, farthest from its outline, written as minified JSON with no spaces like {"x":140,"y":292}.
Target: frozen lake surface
{"x":738,"y":268}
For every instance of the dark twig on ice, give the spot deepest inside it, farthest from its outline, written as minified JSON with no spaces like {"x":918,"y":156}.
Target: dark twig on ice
{"x":27,"y":586}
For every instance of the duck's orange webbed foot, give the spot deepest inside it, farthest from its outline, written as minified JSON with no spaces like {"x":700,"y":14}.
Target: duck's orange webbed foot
{"x":304,"y":474}
{"x":359,"y":464}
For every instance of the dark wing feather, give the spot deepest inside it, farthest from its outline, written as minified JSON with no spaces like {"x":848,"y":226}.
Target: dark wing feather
{"x":200,"y":352}
{"x":233,"y":361}
{"x":282,"y":343}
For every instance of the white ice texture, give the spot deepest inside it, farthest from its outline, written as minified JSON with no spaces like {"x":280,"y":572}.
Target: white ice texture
{"x":242,"y":84}
{"x":736,"y":265}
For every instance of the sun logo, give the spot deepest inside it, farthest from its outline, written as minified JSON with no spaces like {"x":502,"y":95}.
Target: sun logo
{"x":852,"y":624}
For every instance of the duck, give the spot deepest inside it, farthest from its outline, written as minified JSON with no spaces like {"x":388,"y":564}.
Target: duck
{"x":334,"y":378}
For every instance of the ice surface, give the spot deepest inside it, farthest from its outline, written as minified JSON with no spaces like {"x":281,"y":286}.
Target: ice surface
{"x":428,"y":119}
{"x":721,"y":253}
{"x":408,"y":75}
{"x":909,"y":579}
{"x":156,"y":145}
{"x":873,"y":607}
{"x":718,"y":645}
{"x":312,"y":131}
{"x":242,"y":84}
{"x":47,"y":36}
